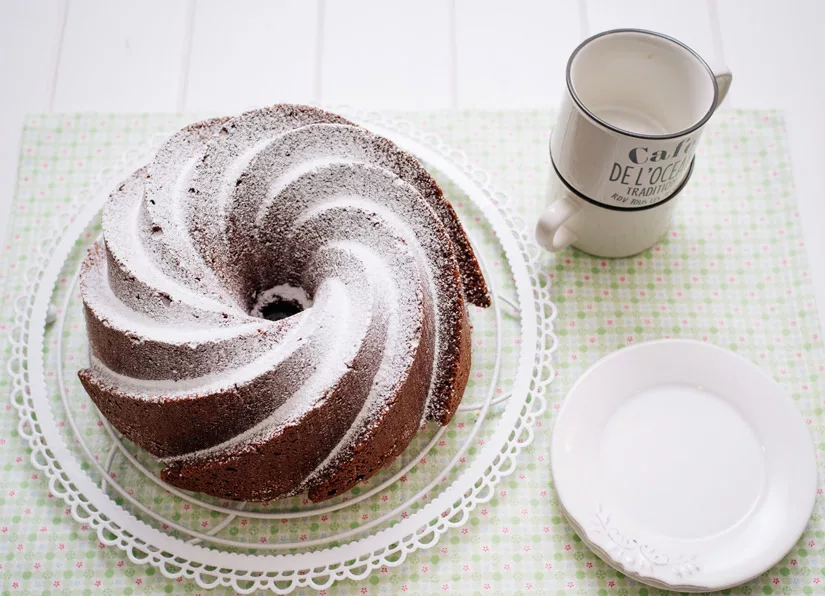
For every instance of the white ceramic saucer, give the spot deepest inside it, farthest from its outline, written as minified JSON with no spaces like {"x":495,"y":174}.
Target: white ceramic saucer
{"x":683,"y":465}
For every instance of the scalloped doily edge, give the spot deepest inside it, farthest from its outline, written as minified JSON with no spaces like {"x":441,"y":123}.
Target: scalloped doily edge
{"x":427,"y":535}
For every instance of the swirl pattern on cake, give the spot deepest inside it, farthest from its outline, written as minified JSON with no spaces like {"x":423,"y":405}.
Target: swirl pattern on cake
{"x":296,"y":210}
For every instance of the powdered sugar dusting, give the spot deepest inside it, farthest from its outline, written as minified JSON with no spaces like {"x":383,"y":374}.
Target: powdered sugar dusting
{"x":284,"y":292}
{"x":293,"y":203}
{"x":167,"y":183}
{"x":345,"y":318}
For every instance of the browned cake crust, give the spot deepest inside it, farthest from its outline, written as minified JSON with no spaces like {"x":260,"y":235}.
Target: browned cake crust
{"x":391,"y":434}
{"x":286,"y":203}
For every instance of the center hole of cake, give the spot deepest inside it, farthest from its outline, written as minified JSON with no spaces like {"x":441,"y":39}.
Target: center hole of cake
{"x":280,"y":302}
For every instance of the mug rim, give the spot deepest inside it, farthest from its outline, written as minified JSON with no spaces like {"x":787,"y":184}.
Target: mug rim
{"x":702,"y":121}
{"x":584,"y":197}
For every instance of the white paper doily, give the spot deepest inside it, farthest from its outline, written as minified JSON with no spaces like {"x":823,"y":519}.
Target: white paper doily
{"x":375,"y":525}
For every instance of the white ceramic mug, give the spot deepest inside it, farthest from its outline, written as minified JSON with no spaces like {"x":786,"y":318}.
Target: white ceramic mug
{"x":622,"y":149}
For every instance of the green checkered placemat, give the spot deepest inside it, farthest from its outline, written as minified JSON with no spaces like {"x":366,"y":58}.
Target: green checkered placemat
{"x":732,"y":271}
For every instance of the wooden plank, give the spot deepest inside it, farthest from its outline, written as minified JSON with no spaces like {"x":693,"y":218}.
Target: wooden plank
{"x":513,"y":54}
{"x":252,"y":53}
{"x":121,"y":56}
{"x":688,"y":22}
{"x":29,"y":47}
{"x":387,"y":54}
{"x":775,"y":54}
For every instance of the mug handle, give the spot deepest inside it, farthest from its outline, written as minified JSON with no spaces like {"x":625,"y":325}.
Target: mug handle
{"x":551,"y":232}
{"x":724,"y":78}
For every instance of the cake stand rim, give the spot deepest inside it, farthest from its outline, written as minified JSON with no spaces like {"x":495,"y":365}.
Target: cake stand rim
{"x":286,"y":562}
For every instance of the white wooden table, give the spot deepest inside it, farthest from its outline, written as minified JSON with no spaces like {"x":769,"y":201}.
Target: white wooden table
{"x":207,"y":55}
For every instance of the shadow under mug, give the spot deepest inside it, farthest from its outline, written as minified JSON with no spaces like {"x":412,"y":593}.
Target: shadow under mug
{"x":598,"y":229}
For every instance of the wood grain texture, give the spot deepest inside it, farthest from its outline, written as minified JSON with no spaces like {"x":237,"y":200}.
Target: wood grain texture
{"x":121,"y":56}
{"x":513,"y":54}
{"x":688,"y":22}
{"x":776,"y":57}
{"x":387,"y":54}
{"x":29,"y":45}
{"x":252,"y":53}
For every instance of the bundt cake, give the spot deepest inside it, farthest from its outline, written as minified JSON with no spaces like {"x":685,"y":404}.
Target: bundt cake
{"x":277,"y":305}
